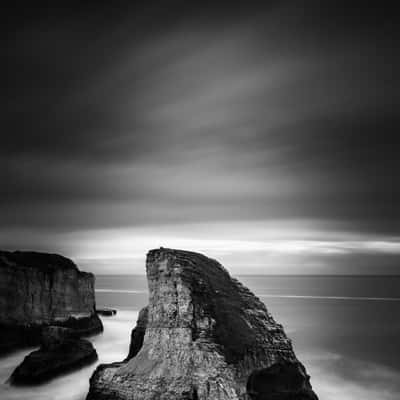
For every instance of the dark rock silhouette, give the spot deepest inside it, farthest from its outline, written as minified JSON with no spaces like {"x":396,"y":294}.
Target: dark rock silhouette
{"x":38,"y":290}
{"x":60,"y":352}
{"x":281,"y":381}
{"x":107,"y":312}
{"x":202,"y":336}
{"x":137,"y":335}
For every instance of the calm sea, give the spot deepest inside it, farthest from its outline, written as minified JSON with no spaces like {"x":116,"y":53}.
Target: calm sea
{"x":345,"y":329}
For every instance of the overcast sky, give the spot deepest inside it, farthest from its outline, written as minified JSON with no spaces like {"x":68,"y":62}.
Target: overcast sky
{"x":263,"y":137}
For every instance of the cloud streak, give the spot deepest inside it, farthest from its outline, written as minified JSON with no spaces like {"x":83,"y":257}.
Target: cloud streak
{"x":147,"y":117}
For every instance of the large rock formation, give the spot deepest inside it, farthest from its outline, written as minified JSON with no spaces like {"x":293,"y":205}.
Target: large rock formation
{"x":202,"y":336}
{"x":37,"y":290}
{"x":61,"y":351}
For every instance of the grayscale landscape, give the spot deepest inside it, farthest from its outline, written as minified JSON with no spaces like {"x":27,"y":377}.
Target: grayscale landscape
{"x":199,"y":201}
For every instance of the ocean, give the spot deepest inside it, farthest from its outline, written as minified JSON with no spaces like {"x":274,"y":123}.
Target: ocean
{"x":345,"y":330}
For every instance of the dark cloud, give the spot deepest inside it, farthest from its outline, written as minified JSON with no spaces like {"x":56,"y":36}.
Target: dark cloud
{"x":147,"y":114}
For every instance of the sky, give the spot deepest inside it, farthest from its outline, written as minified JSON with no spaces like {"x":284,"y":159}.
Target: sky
{"x":263,"y":136}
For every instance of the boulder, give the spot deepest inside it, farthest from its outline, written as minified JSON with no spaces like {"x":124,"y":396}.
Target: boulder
{"x":60,"y":352}
{"x":203,"y":336}
{"x":54,"y":336}
{"x":106,"y":312}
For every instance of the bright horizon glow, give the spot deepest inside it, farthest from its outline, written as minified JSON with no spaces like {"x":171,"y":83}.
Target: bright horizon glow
{"x":266,"y":247}
{"x":245,"y":247}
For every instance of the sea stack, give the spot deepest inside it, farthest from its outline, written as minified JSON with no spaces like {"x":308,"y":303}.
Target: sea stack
{"x":203,"y":336}
{"x":38,"y":290}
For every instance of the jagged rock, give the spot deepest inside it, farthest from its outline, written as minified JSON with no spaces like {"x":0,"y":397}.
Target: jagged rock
{"x":38,"y":290}
{"x":60,"y":352}
{"x":205,"y":335}
{"x":107,"y":312}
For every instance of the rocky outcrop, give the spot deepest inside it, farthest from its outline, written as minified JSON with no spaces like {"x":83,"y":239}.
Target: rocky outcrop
{"x":60,"y":352}
{"x":38,"y":290}
{"x":203,"y":336}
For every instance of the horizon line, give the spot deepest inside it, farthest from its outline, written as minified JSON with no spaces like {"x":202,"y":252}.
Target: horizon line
{"x":344,"y":275}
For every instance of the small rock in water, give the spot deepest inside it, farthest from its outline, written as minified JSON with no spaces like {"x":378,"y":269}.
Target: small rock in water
{"x":108,"y":312}
{"x":60,"y":352}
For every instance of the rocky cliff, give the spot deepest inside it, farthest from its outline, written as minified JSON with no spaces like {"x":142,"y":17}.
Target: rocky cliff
{"x":202,"y":336}
{"x":38,"y":289}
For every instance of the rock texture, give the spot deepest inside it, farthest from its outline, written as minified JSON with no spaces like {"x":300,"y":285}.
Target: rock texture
{"x":137,"y":335}
{"x":37,"y":290}
{"x":60,"y":352}
{"x":202,"y":336}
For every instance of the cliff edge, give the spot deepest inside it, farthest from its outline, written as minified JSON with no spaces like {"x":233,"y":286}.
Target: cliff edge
{"x":203,"y":336}
{"x":38,"y":290}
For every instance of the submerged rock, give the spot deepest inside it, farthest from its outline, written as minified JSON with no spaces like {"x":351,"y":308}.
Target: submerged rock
{"x":60,"y":352}
{"x":203,"y":336}
{"x":38,"y":290}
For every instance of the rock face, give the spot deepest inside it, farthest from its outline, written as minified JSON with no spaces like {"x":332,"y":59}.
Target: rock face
{"x":37,"y":290}
{"x":283,"y":380}
{"x":137,"y":335}
{"x":60,"y":352}
{"x":202,"y":336}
